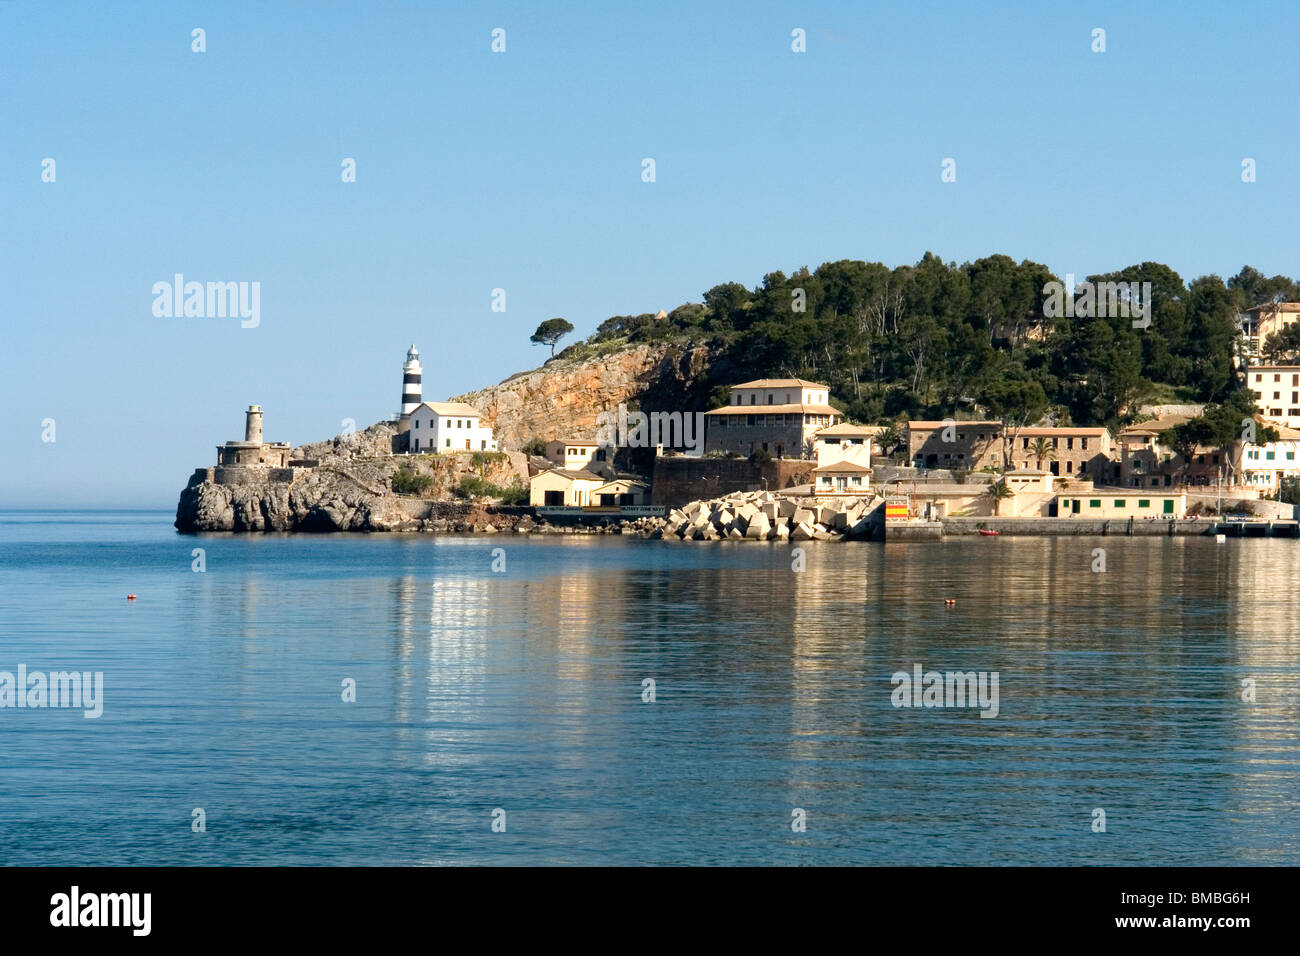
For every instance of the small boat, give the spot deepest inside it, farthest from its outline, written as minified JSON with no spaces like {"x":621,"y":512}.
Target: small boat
{"x":991,"y":534}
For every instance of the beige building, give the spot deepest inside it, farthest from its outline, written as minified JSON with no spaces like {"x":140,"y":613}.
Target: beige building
{"x":577,"y":454}
{"x":845,"y":442}
{"x":842,"y":477}
{"x":777,"y":415}
{"x":1071,"y":452}
{"x":1113,"y":503}
{"x":969,"y":445}
{"x":621,"y":492}
{"x":1259,"y":323}
{"x":1279,"y":392}
{"x":1145,"y":462}
{"x":561,"y":487}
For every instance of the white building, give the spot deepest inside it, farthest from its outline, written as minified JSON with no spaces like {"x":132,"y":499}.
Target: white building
{"x":446,"y":427}
{"x":1264,"y":466}
{"x":845,"y":442}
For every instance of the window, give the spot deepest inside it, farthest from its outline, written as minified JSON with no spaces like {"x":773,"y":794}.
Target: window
{"x":1169,"y":506}
{"x":1277,"y":378}
{"x":1094,"y":503}
{"x":448,"y":445}
{"x":1069,"y":444}
{"x":753,"y":399}
{"x":600,"y":454}
{"x":1069,"y":467}
{"x":1268,"y":456}
{"x":417,"y":423}
{"x":769,"y":399}
{"x":749,"y":420}
{"x":1290,"y":456}
{"x":1144,"y":502}
{"x":1083,"y":443}
{"x":1024,"y":443}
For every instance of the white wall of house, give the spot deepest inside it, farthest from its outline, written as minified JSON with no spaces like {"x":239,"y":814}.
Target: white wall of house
{"x":433,"y":431}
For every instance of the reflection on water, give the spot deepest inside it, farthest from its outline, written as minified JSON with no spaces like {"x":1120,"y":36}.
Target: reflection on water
{"x":1119,"y":690}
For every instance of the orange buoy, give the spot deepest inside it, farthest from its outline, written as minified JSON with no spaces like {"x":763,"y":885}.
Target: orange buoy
{"x":130,"y":597}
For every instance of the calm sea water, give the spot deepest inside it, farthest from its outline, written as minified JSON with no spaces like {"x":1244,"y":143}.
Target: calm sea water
{"x":522,"y":690}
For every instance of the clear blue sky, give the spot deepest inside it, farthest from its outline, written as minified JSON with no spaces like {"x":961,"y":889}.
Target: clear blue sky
{"x":522,"y":171}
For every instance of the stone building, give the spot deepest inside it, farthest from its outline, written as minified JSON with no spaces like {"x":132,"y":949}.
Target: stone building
{"x":948,"y":444}
{"x":1085,"y":452}
{"x":252,"y":450}
{"x":777,"y":415}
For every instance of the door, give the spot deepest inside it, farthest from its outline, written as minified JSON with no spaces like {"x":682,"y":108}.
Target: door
{"x":467,"y":448}
{"x":554,"y":497}
{"x":1169,"y":506}
{"x":1074,"y":506}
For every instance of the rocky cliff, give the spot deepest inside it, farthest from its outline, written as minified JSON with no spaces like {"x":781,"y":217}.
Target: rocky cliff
{"x":563,"y":398}
{"x":351,"y":489}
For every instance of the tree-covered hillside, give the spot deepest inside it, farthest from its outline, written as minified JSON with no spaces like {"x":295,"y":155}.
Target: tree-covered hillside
{"x":940,"y":339}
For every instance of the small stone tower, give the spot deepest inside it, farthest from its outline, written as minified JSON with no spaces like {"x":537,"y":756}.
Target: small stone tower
{"x":411,"y":382}
{"x":253,"y":424}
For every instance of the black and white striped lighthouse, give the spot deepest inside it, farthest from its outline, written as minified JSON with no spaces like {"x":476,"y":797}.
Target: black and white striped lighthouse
{"x":411,"y":382}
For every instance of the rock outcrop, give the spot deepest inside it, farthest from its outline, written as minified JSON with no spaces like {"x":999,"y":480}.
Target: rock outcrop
{"x":350,"y":489}
{"x":562,"y":399}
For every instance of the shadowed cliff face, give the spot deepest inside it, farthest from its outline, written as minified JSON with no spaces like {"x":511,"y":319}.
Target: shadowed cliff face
{"x":562,"y":400}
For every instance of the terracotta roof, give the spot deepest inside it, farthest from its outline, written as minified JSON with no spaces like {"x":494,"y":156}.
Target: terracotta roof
{"x":1156,"y":425}
{"x":1276,"y":307}
{"x":629,"y":482}
{"x":781,"y":383}
{"x":775,"y":410}
{"x":932,"y":426}
{"x":1037,"y":431}
{"x":581,"y":474}
{"x":849,"y":429}
{"x":842,"y":466}
{"x":449,"y":408}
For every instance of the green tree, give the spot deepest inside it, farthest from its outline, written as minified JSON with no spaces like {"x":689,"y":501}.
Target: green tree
{"x":1042,"y":450}
{"x":1016,"y":403}
{"x":550,"y":332}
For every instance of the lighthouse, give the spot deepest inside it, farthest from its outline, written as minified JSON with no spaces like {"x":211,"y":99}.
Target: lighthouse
{"x":253,"y":424}
{"x":411,"y":382}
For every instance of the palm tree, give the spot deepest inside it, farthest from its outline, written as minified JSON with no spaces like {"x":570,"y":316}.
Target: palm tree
{"x":1043,"y":450}
{"x":999,"y":492}
{"x":889,"y":438}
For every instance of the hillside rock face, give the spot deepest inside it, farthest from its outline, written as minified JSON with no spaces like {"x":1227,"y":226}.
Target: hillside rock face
{"x":562,"y":400}
{"x":349,"y":491}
